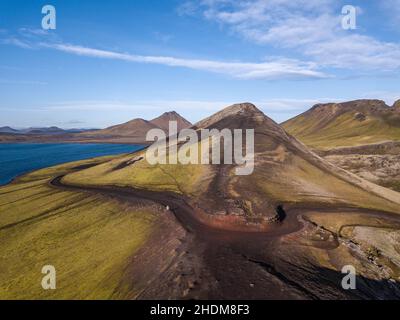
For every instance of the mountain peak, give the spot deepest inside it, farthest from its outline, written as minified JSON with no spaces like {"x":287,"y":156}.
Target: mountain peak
{"x":248,"y":110}
{"x":244,"y":109}
{"x":170,"y":113}
{"x":243,"y":116}
{"x":7,"y":129}
{"x":163,"y":120}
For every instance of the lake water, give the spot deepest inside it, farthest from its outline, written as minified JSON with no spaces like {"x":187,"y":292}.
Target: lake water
{"x":20,"y":158}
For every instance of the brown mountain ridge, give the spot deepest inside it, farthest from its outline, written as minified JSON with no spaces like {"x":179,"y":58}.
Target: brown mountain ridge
{"x":347,"y":124}
{"x":137,"y":128}
{"x":133,"y":131}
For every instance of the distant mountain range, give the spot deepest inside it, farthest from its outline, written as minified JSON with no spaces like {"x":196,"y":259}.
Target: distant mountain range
{"x":352,"y":123}
{"x":8,"y":130}
{"x":41,"y":131}
{"x":323,"y":127}
{"x":137,"y":128}
{"x":133,"y":131}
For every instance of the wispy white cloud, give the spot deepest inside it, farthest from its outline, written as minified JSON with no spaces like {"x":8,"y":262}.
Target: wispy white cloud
{"x":311,"y":27}
{"x":357,"y":52}
{"x":187,"y":8}
{"x":16,"y":42}
{"x":32,"y":32}
{"x":22,"y":82}
{"x":25,"y":38}
{"x":271,"y":69}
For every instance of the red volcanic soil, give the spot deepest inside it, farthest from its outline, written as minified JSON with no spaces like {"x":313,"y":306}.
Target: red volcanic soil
{"x":188,"y":258}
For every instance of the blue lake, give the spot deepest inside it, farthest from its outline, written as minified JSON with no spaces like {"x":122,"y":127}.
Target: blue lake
{"x":20,"y":158}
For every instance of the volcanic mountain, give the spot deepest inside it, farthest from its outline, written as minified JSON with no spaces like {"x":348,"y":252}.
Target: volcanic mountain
{"x":353,"y":123}
{"x":163,"y":121}
{"x":136,"y":129}
{"x":285,"y":173}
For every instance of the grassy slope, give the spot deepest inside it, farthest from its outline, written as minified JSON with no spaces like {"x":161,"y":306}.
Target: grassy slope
{"x":345,"y":130}
{"x":88,"y":238}
{"x":188,"y":179}
{"x":290,"y":180}
{"x":303,"y":183}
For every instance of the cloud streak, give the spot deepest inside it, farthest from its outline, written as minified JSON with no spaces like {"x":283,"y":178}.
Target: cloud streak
{"x":273,"y":69}
{"x":269,"y":69}
{"x":16,"y":42}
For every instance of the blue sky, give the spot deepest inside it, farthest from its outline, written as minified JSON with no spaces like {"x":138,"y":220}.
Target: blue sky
{"x":110,"y":61}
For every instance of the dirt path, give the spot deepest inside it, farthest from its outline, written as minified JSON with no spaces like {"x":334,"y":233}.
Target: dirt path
{"x":219,"y":264}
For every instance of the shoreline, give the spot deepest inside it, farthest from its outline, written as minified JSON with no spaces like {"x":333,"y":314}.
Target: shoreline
{"x":20,"y":175}
{"x":144,"y":144}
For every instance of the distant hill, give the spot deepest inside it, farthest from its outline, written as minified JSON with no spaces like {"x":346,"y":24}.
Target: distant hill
{"x":40,"y":131}
{"x":163,"y":121}
{"x":7,"y":130}
{"x":352,"y":123}
{"x":136,"y":129}
{"x":133,"y":131}
{"x":46,"y":130}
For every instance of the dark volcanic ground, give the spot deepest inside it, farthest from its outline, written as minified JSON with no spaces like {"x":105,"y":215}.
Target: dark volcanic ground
{"x":190,"y":260}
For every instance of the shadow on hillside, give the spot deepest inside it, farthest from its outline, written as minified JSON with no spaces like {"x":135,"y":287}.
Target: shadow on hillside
{"x":327,"y":284}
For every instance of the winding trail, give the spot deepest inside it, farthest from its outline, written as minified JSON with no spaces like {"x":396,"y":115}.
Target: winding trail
{"x":183,"y":212}
{"x":234,"y":264}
